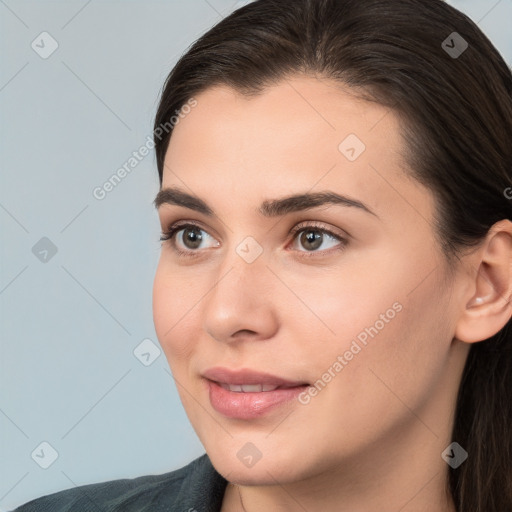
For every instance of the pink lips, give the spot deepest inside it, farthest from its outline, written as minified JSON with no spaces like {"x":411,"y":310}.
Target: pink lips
{"x":252,"y":404}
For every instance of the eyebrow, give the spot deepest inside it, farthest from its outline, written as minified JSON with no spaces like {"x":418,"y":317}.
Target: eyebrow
{"x":268,"y":208}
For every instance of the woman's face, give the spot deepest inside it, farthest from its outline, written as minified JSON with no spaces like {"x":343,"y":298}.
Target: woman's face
{"x":348,"y":298}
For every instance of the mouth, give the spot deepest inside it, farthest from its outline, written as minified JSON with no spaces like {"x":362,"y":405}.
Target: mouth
{"x":248,"y":394}
{"x":251,"y":388}
{"x":249,"y":381}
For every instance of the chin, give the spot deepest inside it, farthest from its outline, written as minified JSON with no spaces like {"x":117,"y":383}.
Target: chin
{"x":241,"y":462}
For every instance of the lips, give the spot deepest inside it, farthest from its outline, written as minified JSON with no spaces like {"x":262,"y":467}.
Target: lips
{"x":249,"y":381}
{"x":249,"y":394}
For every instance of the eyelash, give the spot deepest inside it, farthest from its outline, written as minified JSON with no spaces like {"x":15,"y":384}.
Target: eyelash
{"x":169,"y":236}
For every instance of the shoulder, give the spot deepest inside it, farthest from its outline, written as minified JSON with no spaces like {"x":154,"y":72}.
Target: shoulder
{"x":196,"y":487}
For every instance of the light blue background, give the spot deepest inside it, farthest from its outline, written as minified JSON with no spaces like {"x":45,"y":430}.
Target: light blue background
{"x":68,"y":327}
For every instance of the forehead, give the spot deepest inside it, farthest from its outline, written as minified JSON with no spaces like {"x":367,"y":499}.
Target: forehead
{"x":300,"y":134}
{"x":288,"y":121}
{"x":305,"y":106}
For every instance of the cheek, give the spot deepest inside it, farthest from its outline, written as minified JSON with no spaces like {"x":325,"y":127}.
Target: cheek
{"x":172,"y":315}
{"x":350,"y":302}
{"x":390,"y":322}
{"x":404,"y":361}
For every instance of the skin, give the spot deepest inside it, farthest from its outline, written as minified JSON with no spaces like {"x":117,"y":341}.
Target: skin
{"x":372,"y":438}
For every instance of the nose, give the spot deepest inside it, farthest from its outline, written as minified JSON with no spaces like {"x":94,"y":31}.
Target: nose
{"x":242,"y":302}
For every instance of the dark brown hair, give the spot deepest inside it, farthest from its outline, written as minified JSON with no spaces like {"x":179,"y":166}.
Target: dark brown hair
{"x":456,"y":123}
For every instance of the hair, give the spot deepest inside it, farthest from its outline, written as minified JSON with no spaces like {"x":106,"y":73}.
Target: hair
{"x":455,"y":115}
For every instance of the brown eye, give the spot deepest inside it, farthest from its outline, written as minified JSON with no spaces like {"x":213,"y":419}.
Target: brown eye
{"x":315,"y":239}
{"x":191,"y":237}
{"x":311,"y":239}
{"x":186,"y":238}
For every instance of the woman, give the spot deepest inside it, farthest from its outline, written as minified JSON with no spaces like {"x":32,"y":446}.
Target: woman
{"x":333,"y":292}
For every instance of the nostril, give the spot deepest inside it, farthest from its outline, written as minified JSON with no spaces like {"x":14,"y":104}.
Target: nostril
{"x":243,"y":332}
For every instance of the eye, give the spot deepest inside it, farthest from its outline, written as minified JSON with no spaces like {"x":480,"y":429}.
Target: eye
{"x":189,"y":235}
{"x":187,"y":238}
{"x":316,"y":238}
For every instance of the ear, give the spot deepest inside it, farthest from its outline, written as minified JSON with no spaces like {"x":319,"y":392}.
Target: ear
{"x":487,"y":301}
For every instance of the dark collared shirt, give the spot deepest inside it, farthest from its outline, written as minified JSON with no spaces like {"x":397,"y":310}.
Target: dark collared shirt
{"x":196,"y":487}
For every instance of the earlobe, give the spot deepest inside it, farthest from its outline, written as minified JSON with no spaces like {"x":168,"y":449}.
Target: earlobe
{"x":488,"y":308}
